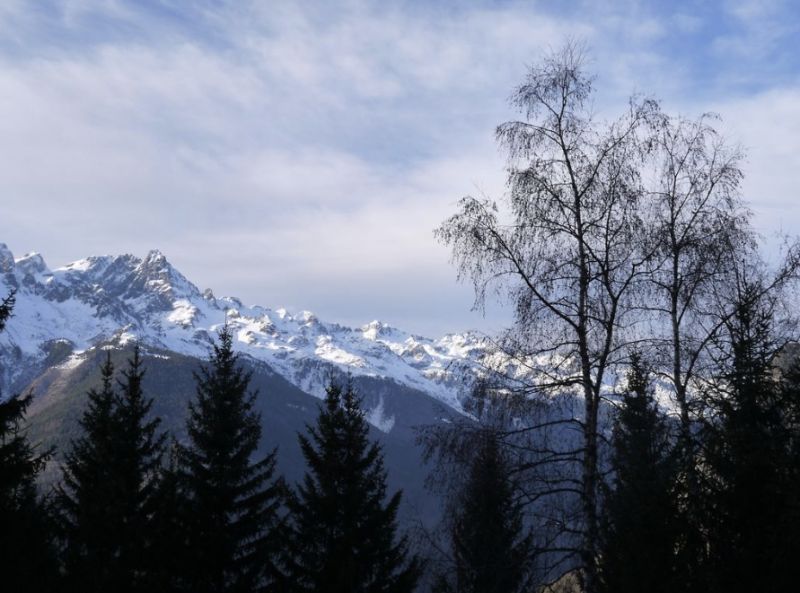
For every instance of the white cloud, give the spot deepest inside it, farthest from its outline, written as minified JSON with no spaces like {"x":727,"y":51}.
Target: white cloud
{"x":768,"y":127}
{"x":292,"y":151}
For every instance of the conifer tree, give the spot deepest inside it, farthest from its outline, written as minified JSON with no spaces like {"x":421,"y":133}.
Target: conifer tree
{"x":784,"y":570}
{"x":169,"y":555}
{"x":343,"y":531}
{"x":232,"y":523}
{"x":139,"y":452}
{"x":6,"y":306}
{"x":108,"y":491}
{"x":27,"y":560}
{"x":87,"y":494}
{"x":639,"y":527}
{"x":492,"y":552}
{"x":748,"y":454}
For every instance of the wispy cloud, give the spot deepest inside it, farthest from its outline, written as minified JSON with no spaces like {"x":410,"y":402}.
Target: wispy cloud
{"x":302,"y":153}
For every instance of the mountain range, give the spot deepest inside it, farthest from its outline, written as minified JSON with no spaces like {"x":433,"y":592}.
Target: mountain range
{"x":66,"y":319}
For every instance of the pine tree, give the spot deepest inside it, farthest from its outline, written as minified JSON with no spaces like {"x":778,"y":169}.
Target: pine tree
{"x":639,"y":527}
{"x":27,"y":560}
{"x":748,"y":454}
{"x":232,"y":525}
{"x":343,"y":533}
{"x":108,"y":492}
{"x":492,"y":552}
{"x":87,"y":494}
{"x":139,"y":452}
{"x":784,"y":570}
{"x":6,"y":306}
{"x":169,"y":556}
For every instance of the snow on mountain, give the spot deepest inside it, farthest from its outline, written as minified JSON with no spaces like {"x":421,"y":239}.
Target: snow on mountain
{"x":121,"y":298}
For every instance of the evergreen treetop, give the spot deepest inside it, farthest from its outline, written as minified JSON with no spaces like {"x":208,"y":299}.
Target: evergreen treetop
{"x":343,"y":529}
{"x":232,"y":524}
{"x":109,"y":482}
{"x":492,"y":551}
{"x":639,"y":534}
{"x":28,"y":558}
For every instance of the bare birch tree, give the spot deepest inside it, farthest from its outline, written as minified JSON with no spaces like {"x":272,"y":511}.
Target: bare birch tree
{"x":564,"y":246}
{"x":699,"y":229}
{"x":700,"y":233}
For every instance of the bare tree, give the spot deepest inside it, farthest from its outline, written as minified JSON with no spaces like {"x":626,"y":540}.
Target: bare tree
{"x":699,"y":229}
{"x":565,"y":247}
{"x":700,"y":233}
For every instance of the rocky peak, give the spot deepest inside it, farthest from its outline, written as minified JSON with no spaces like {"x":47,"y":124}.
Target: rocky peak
{"x":32,"y":263}
{"x":6,"y":259}
{"x":154,"y":267}
{"x":155,"y":276}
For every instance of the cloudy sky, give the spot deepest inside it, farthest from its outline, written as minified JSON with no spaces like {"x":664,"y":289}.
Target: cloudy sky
{"x":300,"y":154}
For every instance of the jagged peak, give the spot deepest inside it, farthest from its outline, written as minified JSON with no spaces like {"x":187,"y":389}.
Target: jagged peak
{"x":159,"y":275}
{"x":6,"y":259}
{"x":155,"y":262}
{"x":32,"y":263}
{"x":155,"y":256}
{"x":307,"y":317}
{"x":378,"y":329}
{"x":230,"y":302}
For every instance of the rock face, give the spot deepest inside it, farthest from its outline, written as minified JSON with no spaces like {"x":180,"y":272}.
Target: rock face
{"x":117,"y":299}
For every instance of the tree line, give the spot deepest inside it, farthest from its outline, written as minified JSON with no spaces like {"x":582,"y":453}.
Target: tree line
{"x":136,"y":512}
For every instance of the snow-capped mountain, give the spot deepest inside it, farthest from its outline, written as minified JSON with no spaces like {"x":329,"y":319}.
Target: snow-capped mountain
{"x":116,"y":299}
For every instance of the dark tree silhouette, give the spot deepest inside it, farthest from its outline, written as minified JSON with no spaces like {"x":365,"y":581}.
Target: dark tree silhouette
{"x":6,"y":307}
{"x":27,"y":560}
{"x":639,"y":533}
{"x":231,"y":521}
{"x":491,"y":550}
{"x":169,"y":555}
{"x":109,"y":483}
{"x":749,"y":454}
{"x":343,"y":531}
{"x":783,"y":568}
{"x":86,"y":498}
{"x":566,"y":250}
{"x":139,"y":451}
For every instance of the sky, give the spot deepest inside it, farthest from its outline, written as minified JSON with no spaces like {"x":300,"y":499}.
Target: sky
{"x":300,"y":154}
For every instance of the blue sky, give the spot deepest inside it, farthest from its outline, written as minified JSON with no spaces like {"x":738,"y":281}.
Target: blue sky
{"x":300,"y":154}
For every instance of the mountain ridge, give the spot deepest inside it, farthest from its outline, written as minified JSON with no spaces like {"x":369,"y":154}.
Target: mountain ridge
{"x":114,"y":299}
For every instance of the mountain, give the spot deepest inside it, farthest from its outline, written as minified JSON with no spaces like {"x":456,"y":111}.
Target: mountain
{"x":65,"y":319}
{"x":62,"y":314}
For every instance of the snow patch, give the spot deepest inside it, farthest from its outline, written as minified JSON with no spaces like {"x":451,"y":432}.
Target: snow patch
{"x":377,"y":417}
{"x":74,"y":360}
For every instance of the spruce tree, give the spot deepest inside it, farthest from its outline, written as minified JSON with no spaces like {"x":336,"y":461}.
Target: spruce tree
{"x":783,"y":568}
{"x":108,"y":491}
{"x":6,"y":306}
{"x":343,"y":531}
{"x":639,"y":528}
{"x":492,"y":552}
{"x":231,"y":501}
{"x":87,"y":494}
{"x":169,"y":556}
{"x":139,"y":452}
{"x":748,"y":454}
{"x":27,"y":560}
